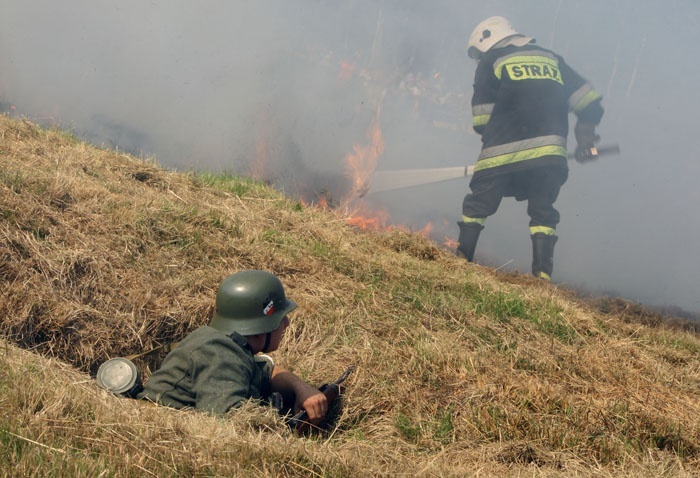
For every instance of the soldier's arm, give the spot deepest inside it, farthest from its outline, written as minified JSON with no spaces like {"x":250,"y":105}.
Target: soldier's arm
{"x":307,"y":397}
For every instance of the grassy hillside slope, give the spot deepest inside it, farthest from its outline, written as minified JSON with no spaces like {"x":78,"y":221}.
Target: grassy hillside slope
{"x":460,"y":371}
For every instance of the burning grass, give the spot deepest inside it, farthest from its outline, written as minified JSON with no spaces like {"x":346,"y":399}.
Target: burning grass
{"x":461,"y":370}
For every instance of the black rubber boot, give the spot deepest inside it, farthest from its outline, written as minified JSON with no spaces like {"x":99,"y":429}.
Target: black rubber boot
{"x":468,"y":237}
{"x":543,"y":255}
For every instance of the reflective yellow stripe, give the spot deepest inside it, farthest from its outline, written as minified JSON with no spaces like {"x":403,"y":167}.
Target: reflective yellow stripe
{"x":542,"y":230}
{"x":481,"y":120}
{"x":518,"y":156}
{"x":589,"y":98}
{"x":483,"y":109}
{"x":522,"y":145}
{"x":478,"y":220}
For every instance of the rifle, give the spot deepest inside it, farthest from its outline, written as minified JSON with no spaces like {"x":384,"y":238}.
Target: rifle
{"x":331,"y":390}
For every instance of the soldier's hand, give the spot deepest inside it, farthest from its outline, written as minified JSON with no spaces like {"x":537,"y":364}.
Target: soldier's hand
{"x":313,"y":401}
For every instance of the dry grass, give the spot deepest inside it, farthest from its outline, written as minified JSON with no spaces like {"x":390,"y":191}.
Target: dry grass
{"x":461,"y":371}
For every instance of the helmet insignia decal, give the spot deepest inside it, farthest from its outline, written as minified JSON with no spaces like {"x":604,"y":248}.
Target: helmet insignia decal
{"x":269,"y":308}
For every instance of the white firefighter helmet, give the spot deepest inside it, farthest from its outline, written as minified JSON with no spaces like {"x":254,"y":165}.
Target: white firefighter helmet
{"x":491,"y":31}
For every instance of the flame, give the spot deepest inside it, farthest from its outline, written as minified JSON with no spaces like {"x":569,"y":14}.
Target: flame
{"x":361,"y":163}
{"x":323,"y":202}
{"x":427,"y":230}
{"x":258,"y":169}
{"x":366,"y":218}
{"x":450,"y":243}
{"x":360,"y":166}
{"x":447,"y":241}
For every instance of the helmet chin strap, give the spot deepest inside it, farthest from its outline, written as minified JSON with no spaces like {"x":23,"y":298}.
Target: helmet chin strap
{"x":268,"y":337}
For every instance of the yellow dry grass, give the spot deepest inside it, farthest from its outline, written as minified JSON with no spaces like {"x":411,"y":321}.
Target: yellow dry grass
{"x":461,"y":371}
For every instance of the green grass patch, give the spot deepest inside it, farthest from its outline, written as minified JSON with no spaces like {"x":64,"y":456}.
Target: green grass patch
{"x":14,"y":180}
{"x":555,"y":326}
{"x":444,"y":428}
{"x":231,"y":183}
{"x":500,"y":306}
{"x":407,"y":428}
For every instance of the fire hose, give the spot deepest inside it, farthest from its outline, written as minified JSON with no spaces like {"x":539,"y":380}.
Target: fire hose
{"x":390,"y":180}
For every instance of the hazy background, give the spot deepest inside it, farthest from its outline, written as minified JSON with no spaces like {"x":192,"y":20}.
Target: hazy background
{"x":284,"y":89}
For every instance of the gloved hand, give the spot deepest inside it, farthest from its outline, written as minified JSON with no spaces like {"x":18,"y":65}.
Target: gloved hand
{"x":585,"y":142}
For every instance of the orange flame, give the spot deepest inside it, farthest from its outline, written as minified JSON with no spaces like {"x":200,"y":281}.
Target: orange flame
{"x":360,"y":166}
{"x":361,"y":163}
{"x":323,"y":202}
{"x":427,"y":230}
{"x":365,"y":218}
{"x":258,"y":169}
{"x":450,"y":243}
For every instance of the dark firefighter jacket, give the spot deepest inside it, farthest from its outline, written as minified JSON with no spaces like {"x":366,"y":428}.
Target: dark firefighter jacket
{"x":522,"y":99}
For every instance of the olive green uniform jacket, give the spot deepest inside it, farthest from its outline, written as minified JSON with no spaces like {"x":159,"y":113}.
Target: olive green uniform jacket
{"x":210,"y":371}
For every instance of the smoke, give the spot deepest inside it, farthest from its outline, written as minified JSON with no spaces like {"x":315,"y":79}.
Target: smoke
{"x":286,"y":90}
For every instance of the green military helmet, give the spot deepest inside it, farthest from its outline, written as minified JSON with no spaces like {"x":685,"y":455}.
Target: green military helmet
{"x":250,"y":302}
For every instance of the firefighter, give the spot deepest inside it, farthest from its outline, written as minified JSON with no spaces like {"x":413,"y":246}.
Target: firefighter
{"x":219,"y":366}
{"x":522,"y":98}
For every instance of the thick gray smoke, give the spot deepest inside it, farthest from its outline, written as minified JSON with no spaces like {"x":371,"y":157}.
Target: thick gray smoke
{"x":285,"y":89}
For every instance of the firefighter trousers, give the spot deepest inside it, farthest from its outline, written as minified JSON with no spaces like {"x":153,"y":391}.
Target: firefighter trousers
{"x":538,"y":186}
